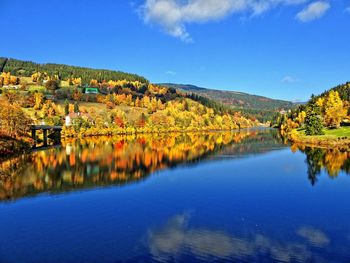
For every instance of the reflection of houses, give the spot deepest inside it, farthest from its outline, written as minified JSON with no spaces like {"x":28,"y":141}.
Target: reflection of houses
{"x":73,"y":116}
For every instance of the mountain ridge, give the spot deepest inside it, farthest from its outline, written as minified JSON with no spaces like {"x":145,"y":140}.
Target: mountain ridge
{"x":214,"y":94}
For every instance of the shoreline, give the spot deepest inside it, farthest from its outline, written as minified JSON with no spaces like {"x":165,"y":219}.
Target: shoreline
{"x":11,"y":147}
{"x":320,"y":141}
{"x":161,"y":132}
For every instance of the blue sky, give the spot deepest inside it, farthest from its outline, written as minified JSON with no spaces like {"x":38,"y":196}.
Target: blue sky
{"x":284,"y":49}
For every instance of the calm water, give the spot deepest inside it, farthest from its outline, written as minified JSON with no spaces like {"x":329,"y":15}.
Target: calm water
{"x":242,"y":196}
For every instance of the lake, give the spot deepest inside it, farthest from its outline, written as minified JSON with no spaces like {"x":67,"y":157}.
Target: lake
{"x":244,"y":196}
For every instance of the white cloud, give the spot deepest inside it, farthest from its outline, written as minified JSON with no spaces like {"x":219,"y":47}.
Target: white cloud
{"x":170,"y":72}
{"x":174,"y":15}
{"x":313,"y":11}
{"x":289,"y":79}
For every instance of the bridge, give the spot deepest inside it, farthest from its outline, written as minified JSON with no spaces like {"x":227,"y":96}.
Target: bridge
{"x":56,"y":130}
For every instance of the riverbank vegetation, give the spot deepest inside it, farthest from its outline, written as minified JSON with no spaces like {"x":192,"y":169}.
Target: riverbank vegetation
{"x":115,"y":160}
{"x":323,"y":121}
{"x":14,"y":128}
{"x":89,"y":102}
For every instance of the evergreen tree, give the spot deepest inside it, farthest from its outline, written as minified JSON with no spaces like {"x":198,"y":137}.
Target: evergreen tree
{"x":66,"y":107}
{"x":76,"y":107}
{"x":313,"y":123}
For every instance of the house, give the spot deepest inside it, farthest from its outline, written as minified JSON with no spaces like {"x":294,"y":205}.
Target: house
{"x":72,"y":116}
{"x":91,"y":90}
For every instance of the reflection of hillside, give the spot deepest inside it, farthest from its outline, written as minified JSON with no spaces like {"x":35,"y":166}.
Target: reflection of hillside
{"x":332,"y":161}
{"x":117,"y":160}
{"x":262,"y":141}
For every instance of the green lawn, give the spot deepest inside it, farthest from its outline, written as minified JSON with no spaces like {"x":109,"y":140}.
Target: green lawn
{"x":33,"y":88}
{"x":329,"y":134}
{"x":340,"y":132}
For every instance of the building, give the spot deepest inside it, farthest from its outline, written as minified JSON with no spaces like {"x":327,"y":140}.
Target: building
{"x":91,"y":90}
{"x":72,"y":116}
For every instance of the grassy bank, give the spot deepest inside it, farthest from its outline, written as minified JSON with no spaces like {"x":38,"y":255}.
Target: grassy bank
{"x":339,"y":138}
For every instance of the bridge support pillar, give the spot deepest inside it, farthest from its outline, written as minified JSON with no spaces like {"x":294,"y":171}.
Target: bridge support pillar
{"x":34,"y":137}
{"x":45,"y":137}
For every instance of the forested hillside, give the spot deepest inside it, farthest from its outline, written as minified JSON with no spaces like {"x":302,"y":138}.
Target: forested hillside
{"x":252,"y":106}
{"x":26,"y":69}
{"x":235,"y":99}
{"x":89,"y":102}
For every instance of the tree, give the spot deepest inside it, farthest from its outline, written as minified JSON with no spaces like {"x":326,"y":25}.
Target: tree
{"x":39,"y":98}
{"x":66,"y":107}
{"x":52,"y":85}
{"x":334,"y":110}
{"x":71,"y":108}
{"x":36,"y":76}
{"x":13,"y":120}
{"x":313,"y":123}
{"x":76,"y":95}
{"x":76,"y":107}
{"x":94,"y":83}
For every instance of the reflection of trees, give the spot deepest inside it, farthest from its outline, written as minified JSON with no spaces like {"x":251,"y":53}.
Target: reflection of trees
{"x":330,"y":160}
{"x":101,"y":161}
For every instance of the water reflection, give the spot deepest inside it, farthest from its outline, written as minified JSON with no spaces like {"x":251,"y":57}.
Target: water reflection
{"x":332,"y":161}
{"x":104,"y":161}
{"x":119,"y":160}
{"x":176,"y":239}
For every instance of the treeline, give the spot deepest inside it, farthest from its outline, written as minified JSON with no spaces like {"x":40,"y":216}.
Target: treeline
{"x":27,"y":68}
{"x":343,"y":91}
{"x":180,"y":115}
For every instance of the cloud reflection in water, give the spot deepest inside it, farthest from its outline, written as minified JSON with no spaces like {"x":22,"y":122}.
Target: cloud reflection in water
{"x":176,"y":239}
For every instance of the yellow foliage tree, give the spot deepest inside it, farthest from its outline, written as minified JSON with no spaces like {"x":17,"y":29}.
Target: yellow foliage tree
{"x":334,"y":110}
{"x":93,"y":83}
{"x":6,"y":78}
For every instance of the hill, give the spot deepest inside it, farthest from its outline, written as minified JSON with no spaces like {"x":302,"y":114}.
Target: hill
{"x":22,"y":68}
{"x":235,"y":98}
{"x":92,"y":102}
{"x":262,"y":108}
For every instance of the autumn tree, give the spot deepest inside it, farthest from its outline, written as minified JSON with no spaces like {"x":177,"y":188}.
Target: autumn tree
{"x":36,"y":76}
{"x":13,"y":120}
{"x":71,"y":108}
{"x":6,"y":78}
{"x":52,"y":85}
{"x":39,"y":100}
{"x":334,"y":110}
{"x":94,"y":83}
{"x":77,"y":95}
